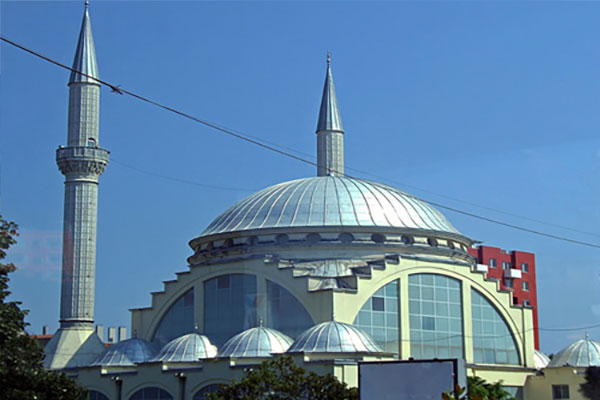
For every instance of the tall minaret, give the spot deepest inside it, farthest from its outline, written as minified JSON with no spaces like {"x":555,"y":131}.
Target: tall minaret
{"x":330,"y":132}
{"x":81,"y":162}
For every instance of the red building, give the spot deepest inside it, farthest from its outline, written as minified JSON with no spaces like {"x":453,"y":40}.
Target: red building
{"x":516,"y":272}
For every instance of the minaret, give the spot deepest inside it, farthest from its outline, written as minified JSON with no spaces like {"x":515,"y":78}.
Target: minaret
{"x":81,"y":162}
{"x":330,"y":132}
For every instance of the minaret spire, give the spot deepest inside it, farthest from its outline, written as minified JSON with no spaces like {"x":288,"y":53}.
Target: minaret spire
{"x":81,"y":162}
{"x":330,"y":132}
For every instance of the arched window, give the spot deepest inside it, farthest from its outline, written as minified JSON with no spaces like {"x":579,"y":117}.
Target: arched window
{"x":493,"y":342}
{"x":96,"y":395}
{"x":436,"y":318}
{"x":379,"y":317}
{"x":177,"y":321}
{"x":200,"y":394}
{"x":151,"y":393}
{"x":229,"y":306}
{"x":284,"y":311}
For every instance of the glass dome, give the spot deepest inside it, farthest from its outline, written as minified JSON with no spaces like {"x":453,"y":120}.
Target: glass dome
{"x":127,"y":353}
{"x":256,"y":342}
{"x":187,"y":348}
{"x":329,"y":201}
{"x":334,"y":337}
{"x":540,"y":359}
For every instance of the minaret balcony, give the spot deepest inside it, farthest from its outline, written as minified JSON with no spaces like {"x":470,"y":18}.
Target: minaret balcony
{"x":82,"y":159}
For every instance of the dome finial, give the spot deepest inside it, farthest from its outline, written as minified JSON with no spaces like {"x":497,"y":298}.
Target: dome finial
{"x":328,"y":58}
{"x":87,"y":4}
{"x":260,"y":322}
{"x":587,"y":336}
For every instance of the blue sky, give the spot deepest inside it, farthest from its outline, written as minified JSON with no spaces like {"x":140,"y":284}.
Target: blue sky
{"x":492,"y":103}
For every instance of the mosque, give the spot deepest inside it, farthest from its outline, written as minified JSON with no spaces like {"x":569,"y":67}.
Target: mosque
{"x":329,"y":269}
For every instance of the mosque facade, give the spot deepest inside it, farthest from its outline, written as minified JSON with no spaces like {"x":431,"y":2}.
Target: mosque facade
{"x":329,"y":269}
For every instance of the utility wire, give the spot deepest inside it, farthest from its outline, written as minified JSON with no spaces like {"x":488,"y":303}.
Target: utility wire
{"x":257,"y":142}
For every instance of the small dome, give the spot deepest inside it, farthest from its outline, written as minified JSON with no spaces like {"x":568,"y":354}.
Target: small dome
{"x":187,"y":348}
{"x":334,"y":337}
{"x":329,"y":201}
{"x":256,"y":342}
{"x":126,"y":353}
{"x":583,"y":353}
{"x":540,"y":359}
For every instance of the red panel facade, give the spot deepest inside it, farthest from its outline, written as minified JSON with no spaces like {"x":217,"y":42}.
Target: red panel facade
{"x":524,"y":289}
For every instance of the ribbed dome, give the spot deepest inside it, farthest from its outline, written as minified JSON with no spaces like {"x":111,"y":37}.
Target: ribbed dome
{"x":187,"y":348}
{"x":334,"y":337}
{"x":256,"y":342}
{"x":540,"y":359}
{"x":329,"y":201}
{"x":583,"y":353}
{"x":127,"y":353}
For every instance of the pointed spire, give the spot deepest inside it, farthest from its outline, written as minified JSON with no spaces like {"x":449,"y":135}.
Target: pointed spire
{"x":329,"y":114}
{"x":85,"y":55}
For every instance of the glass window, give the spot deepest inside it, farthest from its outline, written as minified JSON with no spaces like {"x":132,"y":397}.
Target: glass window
{"x":284,"y":312}
{"x":229,"y":306}
{"x":177,"y":321}
{"x":201,"y":394}
{"x":526,"y":303}
{"x":525,"y":267}
{"x":525,"y":285}
{"x":505,"y":265}
{"x":493,"y":342}
{"x":560,"y":391}
{"x":151,"y":393}
{"x":95,"y":395}
{"x":492,"y":263}
{"x":508,"y":283}
{"x":379,"y":317}
{"x":435,"y":307}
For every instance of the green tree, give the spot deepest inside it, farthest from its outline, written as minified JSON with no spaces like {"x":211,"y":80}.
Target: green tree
{"x":280,"y":379}
{"x":591,"y":387}
{"x":479,"y":389}
{"x":22,"y":376}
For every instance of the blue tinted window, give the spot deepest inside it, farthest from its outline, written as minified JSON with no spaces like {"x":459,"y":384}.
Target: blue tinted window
{"x":435,"y":316}
{"x":284,"y":311}
{"x":177,"y":321}
{"x":229,"y":306}
{"x":493,"y":342}
{"x":95,"y":395}
{"x":201,"y":394}
{"x":379,"y":317}
{"x":151,"y":393}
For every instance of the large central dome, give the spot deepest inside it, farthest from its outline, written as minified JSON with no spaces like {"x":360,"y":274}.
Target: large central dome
{"x":329,"y":201}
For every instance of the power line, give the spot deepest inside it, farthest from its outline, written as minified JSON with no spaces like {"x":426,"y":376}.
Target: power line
{"x":272,"y":147}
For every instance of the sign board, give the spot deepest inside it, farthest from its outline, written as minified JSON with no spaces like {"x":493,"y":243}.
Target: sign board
{"x":410,"y":380}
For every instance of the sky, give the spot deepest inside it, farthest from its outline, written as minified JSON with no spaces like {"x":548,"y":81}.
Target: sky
{"x":488,"y":107}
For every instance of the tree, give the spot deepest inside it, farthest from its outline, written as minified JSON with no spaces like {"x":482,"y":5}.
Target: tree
{"x":479,"y":389}
{"x":281,"y":379}
{"x":591,"y":387}
{"x":22,"y":375}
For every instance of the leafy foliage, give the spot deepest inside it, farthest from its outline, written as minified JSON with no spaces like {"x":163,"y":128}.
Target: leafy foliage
{"x":281,"y":379}
{"x":22,"y":375}
{"x":591,"y":387}
{"x":479,"y":389}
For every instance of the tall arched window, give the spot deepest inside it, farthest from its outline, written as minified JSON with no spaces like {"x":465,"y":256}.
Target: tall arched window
{"x":201,"y":394}
{"x":96,"y":395}
{"x":151,"y":393}
{"x":284,"y":312}
{"x":177,"y":321}
{"x":436,"y":318}
{"x":230,"y":303}
{"x":379,"y":317}
{"x":493,"y":342}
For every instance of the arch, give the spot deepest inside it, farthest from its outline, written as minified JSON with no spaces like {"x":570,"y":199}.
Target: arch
{"x":177,"y":320}
{"x":230,"y":305}
{"x":493,"y":341}
{"x":210,"y":388}
{"x":435,"y":316}
{"x":285,"y":313}
{"x":379,"y":317}
{"x":151,"y":393}
{"x":96,"y":395}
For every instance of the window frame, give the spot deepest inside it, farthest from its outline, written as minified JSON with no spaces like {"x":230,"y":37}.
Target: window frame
{"x":492,"y":262}
{"x":560,"y":392}
{"x":524,"y":267}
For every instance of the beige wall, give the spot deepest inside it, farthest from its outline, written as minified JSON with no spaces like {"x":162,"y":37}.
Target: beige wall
{"x":540,"y":387}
